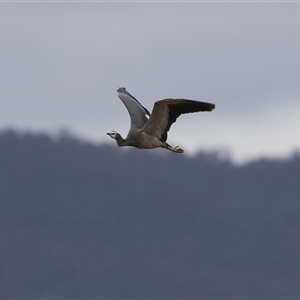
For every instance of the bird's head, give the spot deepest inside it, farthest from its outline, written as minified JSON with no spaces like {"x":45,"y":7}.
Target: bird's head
{"x":113,"y":134}
{"x":117,"y":136}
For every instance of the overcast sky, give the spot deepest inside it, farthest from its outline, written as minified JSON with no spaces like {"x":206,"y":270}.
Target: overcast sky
{"x":61,"y":64}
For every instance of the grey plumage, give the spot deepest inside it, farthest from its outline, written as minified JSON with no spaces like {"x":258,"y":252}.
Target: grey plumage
{"x":151,"y":133}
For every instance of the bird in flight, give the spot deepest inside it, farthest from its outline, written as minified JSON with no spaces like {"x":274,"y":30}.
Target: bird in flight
{"x":149,"y":133}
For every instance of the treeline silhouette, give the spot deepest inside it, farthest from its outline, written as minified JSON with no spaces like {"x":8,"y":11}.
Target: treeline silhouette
{"x":80,"y":220}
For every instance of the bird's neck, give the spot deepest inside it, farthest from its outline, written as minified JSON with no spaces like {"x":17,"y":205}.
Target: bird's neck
{"x":120,"y":141}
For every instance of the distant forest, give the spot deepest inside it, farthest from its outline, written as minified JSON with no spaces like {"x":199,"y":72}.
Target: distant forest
{"x":86,"y":221}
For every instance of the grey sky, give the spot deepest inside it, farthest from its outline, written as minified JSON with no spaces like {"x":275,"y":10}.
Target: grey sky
{"x":61,"y":64}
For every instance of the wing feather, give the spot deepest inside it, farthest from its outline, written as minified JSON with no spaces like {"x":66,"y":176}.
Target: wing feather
{"x":165,"y":112}
{"x":135,"y":109}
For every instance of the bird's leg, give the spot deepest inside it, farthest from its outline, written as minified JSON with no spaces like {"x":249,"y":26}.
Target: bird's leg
{"x":176,"y":149}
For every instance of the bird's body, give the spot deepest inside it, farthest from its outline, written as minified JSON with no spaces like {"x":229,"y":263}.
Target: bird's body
{"x":151,"y":133}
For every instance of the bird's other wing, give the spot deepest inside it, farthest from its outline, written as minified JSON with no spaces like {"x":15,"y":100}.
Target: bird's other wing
{"x":165,"y":112}
{"x":136,"y":110}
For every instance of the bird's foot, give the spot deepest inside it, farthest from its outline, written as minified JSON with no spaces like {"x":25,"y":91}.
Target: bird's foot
{"x":176,"y":149}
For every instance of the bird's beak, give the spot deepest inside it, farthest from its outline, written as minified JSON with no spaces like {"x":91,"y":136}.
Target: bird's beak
{"x":110,"y":134}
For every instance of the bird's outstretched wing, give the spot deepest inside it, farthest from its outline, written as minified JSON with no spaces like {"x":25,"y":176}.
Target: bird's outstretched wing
{"x":165,"y":112}
{"x":136,"y":110}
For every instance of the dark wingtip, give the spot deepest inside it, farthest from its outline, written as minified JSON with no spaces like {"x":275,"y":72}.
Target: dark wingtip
{"x":121,"y":89}
{"x":205,"y":106}
{"x":212,"y":106}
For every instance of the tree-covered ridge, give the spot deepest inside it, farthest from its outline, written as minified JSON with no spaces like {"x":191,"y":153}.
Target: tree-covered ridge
{"x":85,"y":221}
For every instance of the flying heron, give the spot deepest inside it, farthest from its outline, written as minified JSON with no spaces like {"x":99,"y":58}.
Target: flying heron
{"x":152,"y":133}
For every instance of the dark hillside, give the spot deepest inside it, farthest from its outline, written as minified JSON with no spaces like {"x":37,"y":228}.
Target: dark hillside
{"x":84,"y":221}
